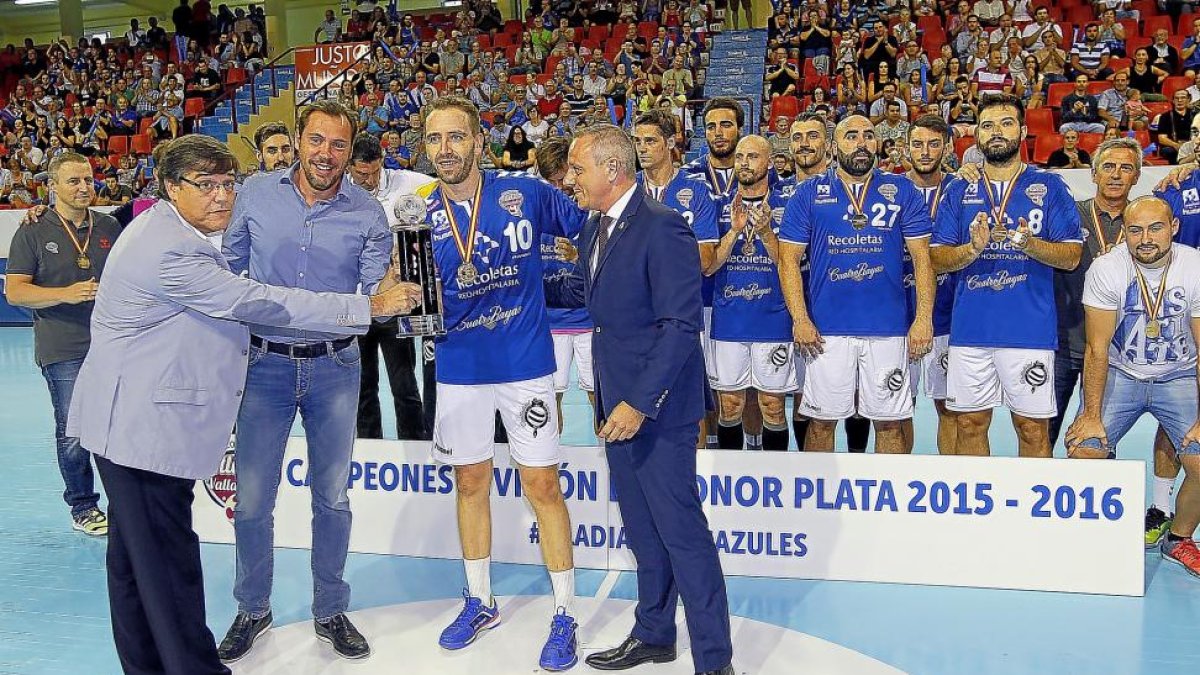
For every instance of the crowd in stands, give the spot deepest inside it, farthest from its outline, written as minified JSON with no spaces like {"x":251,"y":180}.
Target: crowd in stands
{"x":113,"y":100}
{"x":1085,"y":70}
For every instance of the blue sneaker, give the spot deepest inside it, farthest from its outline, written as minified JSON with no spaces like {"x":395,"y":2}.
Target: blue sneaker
{"x":559,"y":652}
{"x":470,"y":622}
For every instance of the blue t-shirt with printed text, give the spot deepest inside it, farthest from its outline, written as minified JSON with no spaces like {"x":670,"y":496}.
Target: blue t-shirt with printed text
{"x":497,"y":327}
{"x":1185,"y":204}
{"x":856,"y":277}
{"x":943,"y":299}
{"x":554,"y":267}
{"x":720,"y":183}
{"x":748,"y":305}
{"x":1004,"y":298}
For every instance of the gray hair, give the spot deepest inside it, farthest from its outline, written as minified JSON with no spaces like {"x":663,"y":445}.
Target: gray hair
{"x":195,"y":152}
{"x":610,"y":142}
{"x":64,"y":158}
{"x":1122,"y":143}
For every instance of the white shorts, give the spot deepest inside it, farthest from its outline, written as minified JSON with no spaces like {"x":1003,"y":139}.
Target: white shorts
{"x":935,"y":365}
{"x":465,"y":423}
{"x":982,"y":378}
{"x":872,"y":370}
{"x":914,"y":378}
{"x":706,"y":345}
{"x":766,"y":366}
{"x":570,"y":347}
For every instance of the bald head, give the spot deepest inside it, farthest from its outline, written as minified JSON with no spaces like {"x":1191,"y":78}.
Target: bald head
{"x":1149,"y":228}
{"x":751,"y":161}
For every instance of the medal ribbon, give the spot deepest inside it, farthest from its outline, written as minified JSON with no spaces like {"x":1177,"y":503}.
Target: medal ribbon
{"x":998,"y":213}
{"x":464,"y":247}
{"x":857,"y":202}
{"x":716,"y":181}
{"x":1152,"y":307}
{"x":1100,"y":230}
{"x":80,"y":249}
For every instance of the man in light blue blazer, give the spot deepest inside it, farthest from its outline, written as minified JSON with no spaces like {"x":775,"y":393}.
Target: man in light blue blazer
{"x":159,"y":391}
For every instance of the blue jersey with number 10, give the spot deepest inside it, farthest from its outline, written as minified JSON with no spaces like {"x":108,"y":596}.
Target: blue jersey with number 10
{"x":718,"y":192}
{"x":943,"y":299}
{"x":856,"y":277}
{"x":497,"y":327}
{"x":1005,"y":299}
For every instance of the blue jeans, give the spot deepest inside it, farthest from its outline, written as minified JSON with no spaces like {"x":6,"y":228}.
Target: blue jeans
{"x":1171,"y":402}
{"x":324,"y":390}
{"x":74,"y":462}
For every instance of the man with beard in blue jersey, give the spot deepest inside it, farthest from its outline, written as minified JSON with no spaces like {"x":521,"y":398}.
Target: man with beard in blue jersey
{"x":724,"y":119}
{"x":1004,"y":236}
{"x":497,"y":356}
{"x":654,"y":140}
{"x":751,"y":329}
{"x":571,"y":328}
{"x":928,"y":143}
{"x":853,"y":328}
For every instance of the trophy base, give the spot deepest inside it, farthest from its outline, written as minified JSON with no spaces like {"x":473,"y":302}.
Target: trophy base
{"x":421,"y":326}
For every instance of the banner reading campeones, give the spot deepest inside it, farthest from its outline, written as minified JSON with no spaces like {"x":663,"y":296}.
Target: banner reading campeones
{"x":316,"y":65}
{"x":991,"y":522}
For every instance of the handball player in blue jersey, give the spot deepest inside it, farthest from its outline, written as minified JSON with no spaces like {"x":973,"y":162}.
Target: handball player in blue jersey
{"x":1004,"y":236}
{"x":570,"y":328}
{"x":496,"y":356}
{"x":928,"y":143}
{"x":724,"y":119}
{"x":853,"y":326}
{"x":751,"y":338}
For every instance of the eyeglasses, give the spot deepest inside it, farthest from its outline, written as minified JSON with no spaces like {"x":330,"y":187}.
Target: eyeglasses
{"x":209,"y":187}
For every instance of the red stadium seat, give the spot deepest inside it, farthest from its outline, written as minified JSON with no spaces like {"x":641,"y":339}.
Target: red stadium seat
{"x":118,"y":145}
{"x":519,"y":80}
{"x":513,"y":26}
{"x":1173,"y":84}
{"x":926,"y":24}
{"x":1056,"y":92}
{"x":598,"y":33}
{"x":1094,"y":88}
{"x":1153,"y":23}
{"x":1044,"y":145}
{"x":504,"y":40}
{"x":141,"y":144}
{"x":647,"y":29}
{"x":785,"y":106}
{"x":1079,"y":15}
{"x":1143,"y":138}
{"x":193,"y":107}
{"x":1157,"y":108}
{"x":1118,"y":63}
{"x":1040,"y":122}
{"x":485,"y":41}
{"x":1131,"y":27}
{"x":961,"y":145}
{"x":1132,"y":44}
{"x":144,"y":125}
{"x":1089,"y":142}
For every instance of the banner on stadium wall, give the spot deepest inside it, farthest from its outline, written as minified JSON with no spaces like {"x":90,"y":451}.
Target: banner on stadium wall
{"x":317,"y":65}
{"x":989,"y":522}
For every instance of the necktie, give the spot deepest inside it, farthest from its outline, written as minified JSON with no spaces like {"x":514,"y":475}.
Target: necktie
{"x":606,"y":222}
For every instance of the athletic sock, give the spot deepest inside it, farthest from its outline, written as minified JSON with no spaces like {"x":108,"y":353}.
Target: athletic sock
{"x":754,"y":441}
{"x":800,"y":429}
{"x":479,"y":579}
{"x":1164,"y":488}
{"x":564,"y":589}
{"x":730,"y":437}
{"x":775,"y":439}
{"x":858,"y":431}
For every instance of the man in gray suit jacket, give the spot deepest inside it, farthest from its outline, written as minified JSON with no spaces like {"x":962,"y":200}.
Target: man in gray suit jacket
{"x":158,"y":393}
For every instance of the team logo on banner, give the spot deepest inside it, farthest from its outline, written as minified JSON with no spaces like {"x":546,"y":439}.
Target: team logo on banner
{"x":888,"y":191}
{"x":536,"y":415}
{"x":222,"y":486}
{"x":1034,"y":375}
{"x":685,"y":198}
{"x":1036,"y":193}
{"x":511,"y":201}
{"x":894,"y":381}
{"x":780,"y":356}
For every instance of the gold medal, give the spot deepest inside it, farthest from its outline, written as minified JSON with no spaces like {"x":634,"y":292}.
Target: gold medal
{"x":1152,"y":304}
{"x":83,"y":262}
{"x":1153,"y":330}
{"x":467,"y":273}
{"x":999,"y":214}
{"x":859,"y":219}
{"x":748,"y":248}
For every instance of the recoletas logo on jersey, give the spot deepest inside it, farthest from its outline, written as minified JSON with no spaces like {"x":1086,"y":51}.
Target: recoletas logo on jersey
{"x":1036,"y":193}
{"x":222,"y":486}
{"x":535,"y":415}
{"x":511,"y":201}
{"x":1034,"y":375}
{"x":685,"y":197}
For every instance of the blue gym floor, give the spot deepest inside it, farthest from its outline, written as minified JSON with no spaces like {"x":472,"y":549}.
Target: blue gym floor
{"x":54,"y":611}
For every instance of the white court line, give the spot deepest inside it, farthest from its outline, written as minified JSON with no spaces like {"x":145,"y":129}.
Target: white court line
{"x":606,"y":586}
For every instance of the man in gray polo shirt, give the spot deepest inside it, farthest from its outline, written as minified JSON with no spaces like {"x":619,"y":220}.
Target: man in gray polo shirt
{"x":54,"y":267}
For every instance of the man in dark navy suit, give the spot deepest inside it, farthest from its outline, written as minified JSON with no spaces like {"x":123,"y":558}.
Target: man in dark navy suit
{"x":639,"y":275}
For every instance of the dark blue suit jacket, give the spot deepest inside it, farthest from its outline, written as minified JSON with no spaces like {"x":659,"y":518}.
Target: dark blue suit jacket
{"x":644,"y":300}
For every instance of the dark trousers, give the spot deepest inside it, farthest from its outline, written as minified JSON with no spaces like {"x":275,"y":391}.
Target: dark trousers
{"x":429,"y":382}
{"x":1068,"y":371}
{"x":655,"y":477}
{"x":155,"y":584}
{"x":400,"y":361}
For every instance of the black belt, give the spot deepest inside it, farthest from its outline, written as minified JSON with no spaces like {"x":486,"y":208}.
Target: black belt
{"x":302,"y":351}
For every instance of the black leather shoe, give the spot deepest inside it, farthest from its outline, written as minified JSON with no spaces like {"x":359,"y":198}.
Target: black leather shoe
{"x":241,"y":636}
{"x":727,"y":670}
{"x":345,"y":638}
{"x":632,"y":652}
